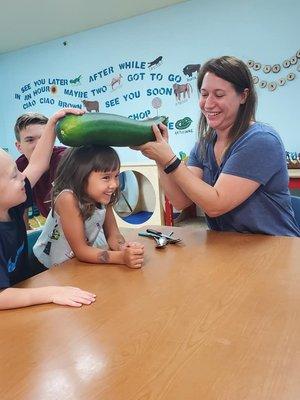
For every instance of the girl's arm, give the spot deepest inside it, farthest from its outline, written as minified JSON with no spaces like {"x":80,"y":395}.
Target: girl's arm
{"x":116,"y":241}
{"x":40,"y":158}
{"x":73,"y":226}
{"x":111,"y":230}
{"x":63,"y":295}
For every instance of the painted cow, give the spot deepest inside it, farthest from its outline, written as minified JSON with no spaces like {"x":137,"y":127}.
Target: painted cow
{"x":190,"y":68}
{"x":91,"y":105}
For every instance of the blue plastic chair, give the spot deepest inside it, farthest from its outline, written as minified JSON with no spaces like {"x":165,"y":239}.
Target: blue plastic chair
{"x":35,"y":266}
{"x":296,"y":208}
{"x":32,"y":237}
{"x":122,"y":187}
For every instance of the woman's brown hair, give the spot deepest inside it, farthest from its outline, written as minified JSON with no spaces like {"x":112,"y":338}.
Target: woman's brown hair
{"x":237,"y":73}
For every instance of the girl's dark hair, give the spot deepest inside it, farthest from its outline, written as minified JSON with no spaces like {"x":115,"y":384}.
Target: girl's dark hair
{"x":74,"y":169}
{"x":237,"y":73}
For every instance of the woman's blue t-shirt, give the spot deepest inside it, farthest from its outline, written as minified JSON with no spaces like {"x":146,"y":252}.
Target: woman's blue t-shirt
{"x":258,"y":155}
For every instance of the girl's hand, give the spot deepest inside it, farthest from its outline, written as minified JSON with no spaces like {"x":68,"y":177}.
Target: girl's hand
{"x":131,"y":244}
{"x":70,"y":296}
{"x":133,"y":253}
{"x":160,"y":150}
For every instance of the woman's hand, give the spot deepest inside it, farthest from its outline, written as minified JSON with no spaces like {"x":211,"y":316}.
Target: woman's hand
{"x":160,"y":150}
{"x":162,"y":130}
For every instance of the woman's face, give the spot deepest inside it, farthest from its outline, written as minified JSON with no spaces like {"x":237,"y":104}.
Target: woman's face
{"x":219,"y":102}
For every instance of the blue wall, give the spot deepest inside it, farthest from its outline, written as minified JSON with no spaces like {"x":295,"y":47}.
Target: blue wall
{"x":188,"y":33}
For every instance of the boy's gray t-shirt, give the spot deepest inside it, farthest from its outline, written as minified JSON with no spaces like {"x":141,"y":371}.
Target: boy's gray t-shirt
{"x":258,"y":155}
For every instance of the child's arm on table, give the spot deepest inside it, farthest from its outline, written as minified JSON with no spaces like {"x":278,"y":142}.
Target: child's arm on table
{"x":113,"y":236}
{"x":63,"y":295}
{"x":112,"y":233}
{"x":116,"y":240}
{"x":73,"y":226}
{"x":40,"y":158}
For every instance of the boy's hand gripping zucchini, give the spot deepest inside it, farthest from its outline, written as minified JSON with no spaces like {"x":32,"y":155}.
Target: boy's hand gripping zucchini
{"x":105,"y":129}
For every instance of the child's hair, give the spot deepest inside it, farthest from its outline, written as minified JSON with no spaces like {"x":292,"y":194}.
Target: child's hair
{"x":27,"y":119}
{"x":74,"y":169}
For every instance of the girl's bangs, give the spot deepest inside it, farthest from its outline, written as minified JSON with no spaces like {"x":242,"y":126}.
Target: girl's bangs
{"x":107,"y":162}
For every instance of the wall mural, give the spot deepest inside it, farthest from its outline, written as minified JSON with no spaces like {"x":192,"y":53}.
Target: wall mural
{"x":64,"y":92}
{"x":106,"y":89}
{"x":112,"y":86}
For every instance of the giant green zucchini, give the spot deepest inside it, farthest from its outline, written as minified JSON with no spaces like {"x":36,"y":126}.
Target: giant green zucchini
{"x":105,"y":129}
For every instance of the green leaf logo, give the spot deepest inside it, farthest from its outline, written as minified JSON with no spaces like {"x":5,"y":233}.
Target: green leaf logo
{"x":183,"y":123}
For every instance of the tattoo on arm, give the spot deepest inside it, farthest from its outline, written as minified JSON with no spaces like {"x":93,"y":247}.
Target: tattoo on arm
{"x":120,"y":240}
{"x":104,"y":257}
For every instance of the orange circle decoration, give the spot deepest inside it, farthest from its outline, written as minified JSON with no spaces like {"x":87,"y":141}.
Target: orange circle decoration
{"x":53,"y":89}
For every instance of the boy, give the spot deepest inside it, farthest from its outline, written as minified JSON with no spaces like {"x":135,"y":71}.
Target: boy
{"x":28,"y":129}
{"x":14,"y":189}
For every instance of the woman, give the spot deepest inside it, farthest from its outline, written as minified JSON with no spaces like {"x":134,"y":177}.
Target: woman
{"x":237,"y":171}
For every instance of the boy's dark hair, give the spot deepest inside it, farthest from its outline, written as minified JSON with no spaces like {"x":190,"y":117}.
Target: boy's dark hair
{"x":27,"y":119}
{"x":74,"y":169}
{"x":237,"y":73}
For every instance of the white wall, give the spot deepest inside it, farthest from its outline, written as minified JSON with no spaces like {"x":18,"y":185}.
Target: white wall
{"x":188,"y":33}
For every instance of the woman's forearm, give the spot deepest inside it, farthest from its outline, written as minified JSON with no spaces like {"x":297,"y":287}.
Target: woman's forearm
{"x":199,"y":192}
{"x":173,"y":191}
{"x":228,"y":192}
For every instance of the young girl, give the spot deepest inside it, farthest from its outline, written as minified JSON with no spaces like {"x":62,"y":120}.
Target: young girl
{"x":85,"y":188}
